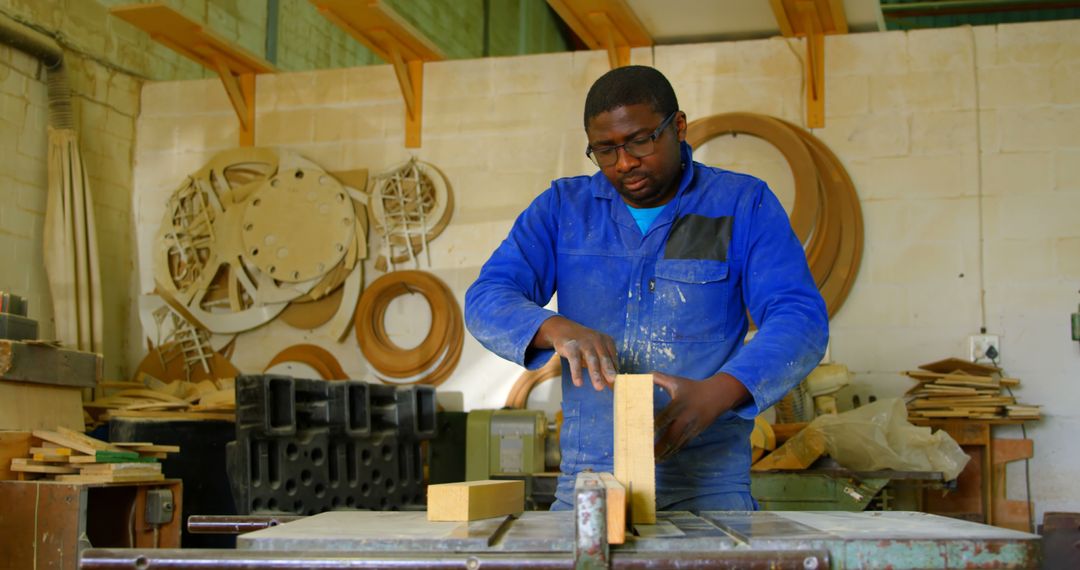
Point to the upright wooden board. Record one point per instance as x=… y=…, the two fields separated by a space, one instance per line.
x=12 y=444
x=26 y=407
x=473 y=500
x=635 y=464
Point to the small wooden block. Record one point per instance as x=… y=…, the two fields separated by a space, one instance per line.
x=616 y=508
x=474 y=500
x=635 y=464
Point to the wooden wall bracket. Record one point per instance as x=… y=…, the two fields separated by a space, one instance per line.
x=395 y=41
x=813 y=20
x=235 y=66
x=610 y=25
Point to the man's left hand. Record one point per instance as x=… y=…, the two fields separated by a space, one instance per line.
x=694 y=406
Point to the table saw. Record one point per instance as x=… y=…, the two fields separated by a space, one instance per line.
x=578 y=539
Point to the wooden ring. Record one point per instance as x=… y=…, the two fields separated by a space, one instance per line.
x=826 y=216
x=519 y=394
x=440 y=350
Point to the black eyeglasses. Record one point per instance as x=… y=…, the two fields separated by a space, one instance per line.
x=606 y=156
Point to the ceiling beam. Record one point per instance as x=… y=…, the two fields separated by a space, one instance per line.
x=610 y=25
x=961 y=7
x=235 y=66
x=397 y=42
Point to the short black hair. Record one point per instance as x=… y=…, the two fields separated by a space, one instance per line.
x=630 y=85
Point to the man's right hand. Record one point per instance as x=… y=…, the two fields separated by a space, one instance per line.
x=579 y=344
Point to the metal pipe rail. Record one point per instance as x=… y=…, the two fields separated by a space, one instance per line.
x=224 y=559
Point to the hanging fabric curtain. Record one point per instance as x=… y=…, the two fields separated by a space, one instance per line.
x=71 y=256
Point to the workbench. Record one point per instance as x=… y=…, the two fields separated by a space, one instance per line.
x=578 y=539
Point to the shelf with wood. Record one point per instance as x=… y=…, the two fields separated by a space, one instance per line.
x=235 y=66
x=394 y=40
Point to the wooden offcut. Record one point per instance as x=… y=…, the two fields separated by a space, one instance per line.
x=474 y=500
x=799 y=452
x=615 y=495
x=635 y=464
x=27 y=406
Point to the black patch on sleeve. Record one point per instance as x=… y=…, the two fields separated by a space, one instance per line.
x=699 y=237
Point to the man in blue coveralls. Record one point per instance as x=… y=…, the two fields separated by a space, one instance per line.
x=656 y=260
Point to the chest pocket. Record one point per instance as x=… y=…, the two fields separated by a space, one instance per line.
x=690 y=300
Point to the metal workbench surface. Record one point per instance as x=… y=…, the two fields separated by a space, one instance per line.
x=894 y=540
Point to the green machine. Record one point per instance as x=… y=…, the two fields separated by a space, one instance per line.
x=504 y=442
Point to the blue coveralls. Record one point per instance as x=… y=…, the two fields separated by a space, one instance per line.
x=675 y=300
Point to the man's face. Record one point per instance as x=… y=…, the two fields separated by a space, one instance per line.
x=648 y=181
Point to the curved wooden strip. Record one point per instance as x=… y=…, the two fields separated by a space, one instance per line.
x=437 y=355
x=314 y=356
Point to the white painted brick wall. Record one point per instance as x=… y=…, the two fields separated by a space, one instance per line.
x=915 y=122
x=22 y=185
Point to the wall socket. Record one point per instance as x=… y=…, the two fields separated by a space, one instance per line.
x=978 y=344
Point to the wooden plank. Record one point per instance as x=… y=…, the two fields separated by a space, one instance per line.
x=635 y=464
x=950 y=365
x=50 y=450
x=26 y=407
x=75 y=440
x=158 y=449
x=42 y=363
x=185 y=416
x=110 y=478
x=51 y=458
x=24 y=465
x=474 y=500
x=111 y=457
x=12 y=444
x=92 y=468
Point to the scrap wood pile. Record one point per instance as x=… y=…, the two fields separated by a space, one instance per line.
x=72 y=457
x=955 y=388
x=179 y=399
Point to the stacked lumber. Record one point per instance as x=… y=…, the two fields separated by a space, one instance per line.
x=150 y=397
x=957 y=389
x=72 y=457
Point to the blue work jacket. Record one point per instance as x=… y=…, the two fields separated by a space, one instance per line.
x=675 y=300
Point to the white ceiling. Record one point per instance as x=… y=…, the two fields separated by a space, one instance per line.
x=685 y=21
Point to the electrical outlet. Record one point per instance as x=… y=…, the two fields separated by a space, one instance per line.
x=978 y=344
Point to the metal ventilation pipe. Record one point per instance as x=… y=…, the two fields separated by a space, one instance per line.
x=45 y=49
